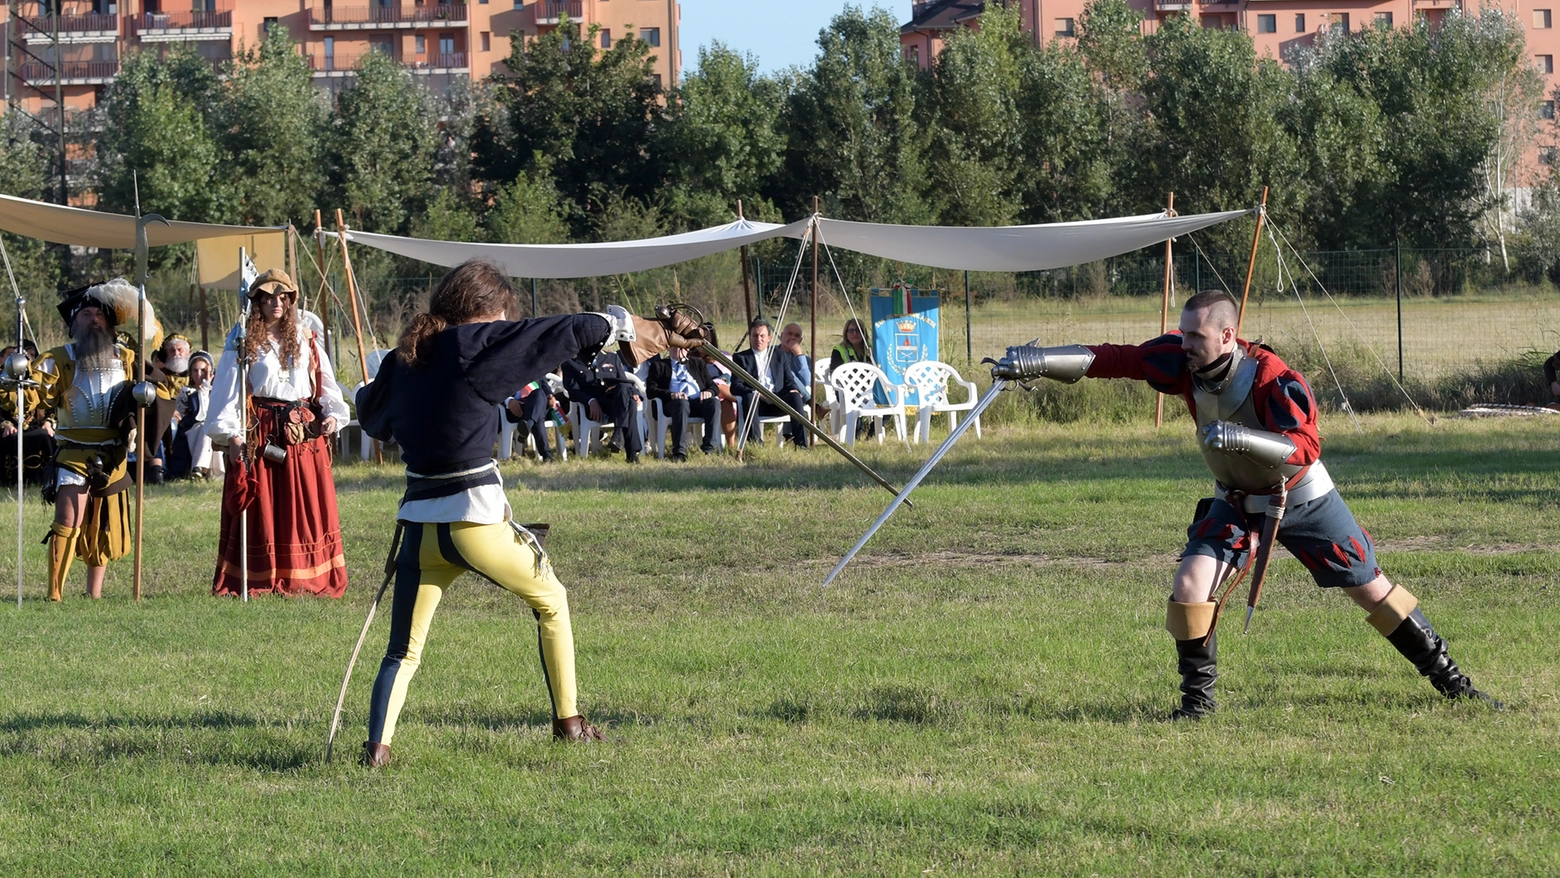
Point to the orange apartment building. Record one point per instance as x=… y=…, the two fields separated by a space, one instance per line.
x=71 y=49
x=1276 y=27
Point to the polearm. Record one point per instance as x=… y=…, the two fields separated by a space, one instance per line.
x=1251 y=265
x=719 y=356
x=341 y=700
x=144 y=393
x=903 y=497
x=247 y=272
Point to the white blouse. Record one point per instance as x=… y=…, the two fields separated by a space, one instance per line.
x=269 y=378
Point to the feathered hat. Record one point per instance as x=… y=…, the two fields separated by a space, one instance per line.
x=116 y=299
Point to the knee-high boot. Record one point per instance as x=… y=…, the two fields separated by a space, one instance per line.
x=1399 y=619
x=1190 y=625
x=62 y=550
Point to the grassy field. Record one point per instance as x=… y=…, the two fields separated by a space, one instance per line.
x=983 y=691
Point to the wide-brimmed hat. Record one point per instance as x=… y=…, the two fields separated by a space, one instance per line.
x=117 y=300
x=273 y=281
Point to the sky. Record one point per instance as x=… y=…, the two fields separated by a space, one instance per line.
x=779 y=33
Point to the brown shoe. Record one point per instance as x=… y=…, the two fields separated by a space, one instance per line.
x=575 y=728
x=375 y=755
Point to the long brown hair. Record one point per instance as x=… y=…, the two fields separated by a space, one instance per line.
x=845 y=337
x=257 y=336
x=475 y=288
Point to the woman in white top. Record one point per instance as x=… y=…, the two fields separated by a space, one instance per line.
x=279 y=467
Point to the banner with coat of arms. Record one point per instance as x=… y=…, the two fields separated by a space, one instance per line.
x=905 y=323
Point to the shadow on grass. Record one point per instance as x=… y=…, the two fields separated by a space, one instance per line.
x=523 y=720
x=74 y=739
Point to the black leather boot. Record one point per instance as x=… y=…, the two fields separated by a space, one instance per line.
x=1419 y=643
x=1197 y=667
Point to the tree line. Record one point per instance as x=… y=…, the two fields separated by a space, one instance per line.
x=1407 y=134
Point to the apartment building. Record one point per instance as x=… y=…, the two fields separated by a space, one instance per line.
x=68 y=51
x=1276 y=27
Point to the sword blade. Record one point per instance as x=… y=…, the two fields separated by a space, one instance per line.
x=720 y=357
x=903 y=496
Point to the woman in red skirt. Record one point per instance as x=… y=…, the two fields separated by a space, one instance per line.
x=278 y=473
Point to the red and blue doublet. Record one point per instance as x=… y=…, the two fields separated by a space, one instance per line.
x=1320 y=530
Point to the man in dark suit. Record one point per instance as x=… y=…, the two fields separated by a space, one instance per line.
x=775 y=367
x=683 y=391
x=609 y=391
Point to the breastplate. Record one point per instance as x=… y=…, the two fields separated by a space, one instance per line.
x=1234 y=402
x=87 y=401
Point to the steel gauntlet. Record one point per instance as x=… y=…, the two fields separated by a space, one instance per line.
x=1260 y=446
x=1066 y=364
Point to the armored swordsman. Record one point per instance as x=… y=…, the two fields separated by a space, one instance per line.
x=1256 y=422
x=87 y=382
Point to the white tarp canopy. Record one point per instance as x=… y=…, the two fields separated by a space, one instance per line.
x=997 y=248
x=1013 y=248
x=585 y=260
x=59 y=224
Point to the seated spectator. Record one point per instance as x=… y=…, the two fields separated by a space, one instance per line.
x=720 y=382
x=801 y=364
x=37 y=433
x=684 y=388
x=852 y=347
x=169 y=373
x=192 y=455
x=609 y=391
x=531 y=408
x=1552 y=379
x=774 y=367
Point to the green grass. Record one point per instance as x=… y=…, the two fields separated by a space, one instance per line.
x=982 y=692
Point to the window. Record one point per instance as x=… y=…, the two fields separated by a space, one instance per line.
x=606 y=38
x=1546 y=63
x=446 y=44
x=1383 y=19
x=1064 y=28
x=1340 y=22
x=270 y=22
x=487 y=42
x=1546 y=156
x=657 y=78
x=1267 y=24
x=1299 y=22
x=422 y=44
x=330 y=47
x=1541 y=19
x=1546 y=109
x=651 y=35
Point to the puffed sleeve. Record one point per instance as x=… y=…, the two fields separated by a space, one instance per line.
x=224 y=421
x=332 y=403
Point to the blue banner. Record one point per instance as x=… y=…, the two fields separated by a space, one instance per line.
x=900 y=338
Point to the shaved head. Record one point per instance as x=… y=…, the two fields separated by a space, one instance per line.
x=1220 y=308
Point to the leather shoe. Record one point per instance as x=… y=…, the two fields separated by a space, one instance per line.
x=375 y=755
x=575 y=728
x=678 y=457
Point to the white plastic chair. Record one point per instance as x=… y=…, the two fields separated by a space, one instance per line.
x=931 y=379
x=506 y=436
x=373 y=359
x=854 y=398
x=662 y=422
x=588 y=433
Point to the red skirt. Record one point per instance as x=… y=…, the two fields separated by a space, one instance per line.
x=294 y=531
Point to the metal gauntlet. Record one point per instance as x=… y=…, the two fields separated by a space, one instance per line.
x=1066 y=364
x=1259 y=446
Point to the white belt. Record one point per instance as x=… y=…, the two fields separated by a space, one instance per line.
x=1316 y=483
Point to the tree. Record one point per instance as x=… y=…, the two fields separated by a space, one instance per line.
x=382 y=146
x=851 y=129
x=24 y=173
x=589 y=114
x=1212 y=131
x=272 y=127
x=156 y=139
x=528 y=210
x=720 y=141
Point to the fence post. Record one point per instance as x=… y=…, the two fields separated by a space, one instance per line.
x=1397 y=269
x=969 y=344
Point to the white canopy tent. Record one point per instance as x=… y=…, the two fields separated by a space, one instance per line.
x=997 y=248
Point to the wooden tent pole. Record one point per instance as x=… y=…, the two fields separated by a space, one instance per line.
x=292 y=256
x=812 y=357
x=1164 y=314
x=357 y=318
x=1251 y=266
x=747 y=293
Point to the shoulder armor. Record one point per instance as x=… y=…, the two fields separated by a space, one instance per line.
x=46 y=366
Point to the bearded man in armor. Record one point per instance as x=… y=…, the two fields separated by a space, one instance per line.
x=1256 y=425
x=87 y=382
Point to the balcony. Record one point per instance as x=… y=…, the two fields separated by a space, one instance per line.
x=1172 y=5
x=70 y=73
x=325 y=17
x=339 y=66
x=72 y=28
x=552 y=11
x=166 y=27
